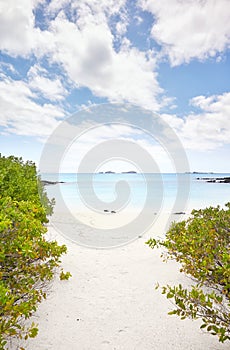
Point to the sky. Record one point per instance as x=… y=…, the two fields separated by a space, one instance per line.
x=170 y=57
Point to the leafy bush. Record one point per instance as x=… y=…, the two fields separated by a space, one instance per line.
x=27 y=260
x=202 y=245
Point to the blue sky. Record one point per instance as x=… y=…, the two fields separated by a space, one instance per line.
x=169 y=56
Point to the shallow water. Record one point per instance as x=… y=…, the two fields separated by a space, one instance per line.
x=138 y=191
x=110 y=210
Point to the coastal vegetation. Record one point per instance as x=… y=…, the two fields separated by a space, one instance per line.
x=202 y=245
x=28 y=261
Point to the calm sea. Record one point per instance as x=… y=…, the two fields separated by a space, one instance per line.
x=119 y=191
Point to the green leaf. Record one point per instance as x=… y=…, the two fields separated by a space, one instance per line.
x=28 y=260
x=201 y=245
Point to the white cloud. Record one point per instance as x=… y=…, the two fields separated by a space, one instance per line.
x=208 y=129
x=84 y=12
x=189 y=29
x=39 y=81
x=90 y=60
x=94 y=137
x=7 y=67
x=18 y=34
x=121 y=27
x=84 y=47
x=21 y=114
x=57 y=5
x=138 y=19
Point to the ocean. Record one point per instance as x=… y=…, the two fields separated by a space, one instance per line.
x=110 y=210
x=79 y=190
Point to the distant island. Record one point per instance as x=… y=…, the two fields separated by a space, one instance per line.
x=113 y=172
x=198 y=172
x=129 y=172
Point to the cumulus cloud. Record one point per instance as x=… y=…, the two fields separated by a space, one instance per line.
x=80 y=39
x=39 y=80
x=21 y=114
x=86 y=8
x=189 y=29
x=18 y=34
x=89 y=58
x=84 y=40
x=207 y=129
x=82 y=145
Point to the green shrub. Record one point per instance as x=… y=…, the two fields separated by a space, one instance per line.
x=202 y=245
x=27 y=260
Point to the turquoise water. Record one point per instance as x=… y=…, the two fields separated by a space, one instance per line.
x=85 y=204
x=154 y=191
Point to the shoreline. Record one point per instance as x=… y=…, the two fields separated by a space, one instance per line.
x=110 y=302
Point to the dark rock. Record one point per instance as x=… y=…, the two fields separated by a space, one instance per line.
x=219 y=180
x=226 y=180
x=106 y=210
x=113 y=211
x=47 y=182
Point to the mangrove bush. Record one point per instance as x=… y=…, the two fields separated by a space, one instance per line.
x=27 y=260
x=202 y=245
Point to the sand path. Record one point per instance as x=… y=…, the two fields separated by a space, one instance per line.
x=110 y=304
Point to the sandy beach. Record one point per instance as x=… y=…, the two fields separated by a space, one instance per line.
x=111 y=303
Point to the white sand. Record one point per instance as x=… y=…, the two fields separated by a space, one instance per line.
x=110 y=303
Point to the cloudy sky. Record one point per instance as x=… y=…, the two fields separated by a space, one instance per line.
x=169 y=56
